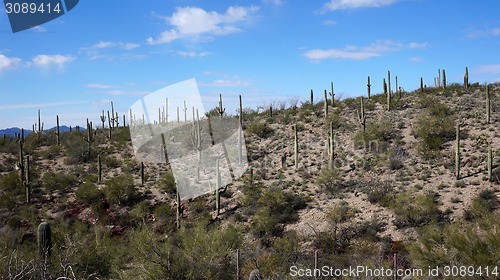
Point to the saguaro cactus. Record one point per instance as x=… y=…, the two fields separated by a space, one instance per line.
x=421 y=84
x=217 y=188
x=221 y=109
x=178 y=209
x=466 y=78
x=488 y=105
x=20 y=163
x=332 y=94
x=368 y=86
x=99 y=169
x=142 y=173
x=296 y=146
x=89 y=137
x=361 y=115
x=325 y=105
x=196 y=134
x=103 y=118
x=240 y=132
x=457 y=153
x=44 y=239
x=331 y=146
x=490 y=163
x=27 y=184
x=444 y=79
x=388 y=90
x=57 y=132
x=312 y=97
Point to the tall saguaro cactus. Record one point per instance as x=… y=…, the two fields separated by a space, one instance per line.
x=490 y=163
x=388 y=90
x=196 y=133
x=325 y=105
x=332 y=94
x=466 y=78
x=217 y=188
x=331 y=146
x=27 y=184
x=361 y=115
x=312 y=97
x=44 y=239
x=90 y=136
x=421 y=84
x=240 y=132
x=457 y=153
x=488 y=105
x=296 y=146
x=368 y=86
x=57 y=132
x=444 y=79
x=221 y=109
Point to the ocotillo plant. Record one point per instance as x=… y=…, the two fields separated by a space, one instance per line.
x=27 y=184
x=57 y=132
x=361 y=115
x=90 y=136
x=44 y=239
x=421 y=84
x=332 y=94
x=444 y=79
x=368 y=86
x=490 y=163
x=325 y=106
x=457 y=153
x=296 y=146
x=103 y=118
x=331 y=146
x=221 y=109
x=99 y=169
x=466 y=78
x=312 y=97
x=488 y=105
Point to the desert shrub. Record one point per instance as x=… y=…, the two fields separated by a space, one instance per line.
x=9 y=146
x=462 y=244
x=58 y=181
x=167 y=183
x=330 y=181
x=76 y=148
x=52 y=152
x=484 y=203
x=121 y=190
x=111 y=162
x=10 y=183
x=434 y=127
x=415 y=210
x=88 y=193
x=260 y=129
x=341 y=212
x=376 y=136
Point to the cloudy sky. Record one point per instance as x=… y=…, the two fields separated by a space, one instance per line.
x=266 y=50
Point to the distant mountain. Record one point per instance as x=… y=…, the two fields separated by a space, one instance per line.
x=15 y=130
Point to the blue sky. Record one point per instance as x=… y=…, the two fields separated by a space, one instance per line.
x=266 y=50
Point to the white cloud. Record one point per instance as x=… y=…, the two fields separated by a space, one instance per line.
x=329 y=22
x=415 y=59
x=101 y=86
x=127 y=92
x=196 y=23
x=273 y=2
x=225 y=83
x=39 y=29
x=192 y=54
x=490 y=32
x=334 y=5
x=47 y=61
x=8 y=63
x=352 y=52
x=37 y=105
x=111 y=44
x=491 y=69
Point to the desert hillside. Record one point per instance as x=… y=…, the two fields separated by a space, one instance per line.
x=387 y=190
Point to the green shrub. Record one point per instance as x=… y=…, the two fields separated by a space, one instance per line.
x=58 y=181
x=260 y=129
x=167 y=182
x=415 y=210
x=434 y=127
x=121 y=190
x=330 y=181
x=88 y=193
